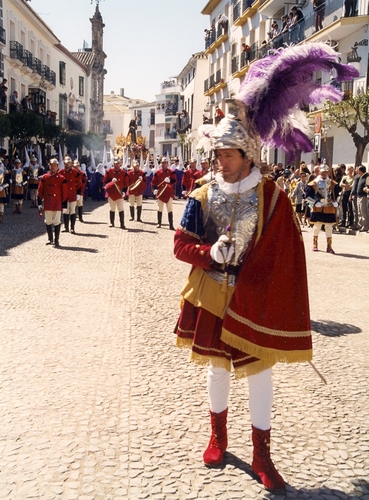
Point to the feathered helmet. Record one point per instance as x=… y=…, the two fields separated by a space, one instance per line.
x=268 y=108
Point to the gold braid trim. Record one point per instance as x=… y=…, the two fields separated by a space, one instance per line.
x=264 y=329
x=260 y=195
x=266 y=354
x=210 y=360
x=201 y=195
x=184 y=343
x=252 y=369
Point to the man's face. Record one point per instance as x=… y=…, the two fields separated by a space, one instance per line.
x=193 y=165
x=116 y=166
x=205 y=166
x=280 y=166
x=164 y=165
x=232 y=164
x=54 y=167
x=68 y=165
x=324 y=174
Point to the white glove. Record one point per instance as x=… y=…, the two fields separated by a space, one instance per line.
x=140 y=178
x=114 y=180
x=184 y=193
x=10 y=181
x=335 y=204
x=40 y=207
x=167 y=180
x=155 y=192
x=1 y=188
x=64 y=210
x=318 y=204
x=78 y=197
x=222 y=252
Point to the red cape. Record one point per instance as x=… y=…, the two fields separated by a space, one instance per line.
x=268 y=316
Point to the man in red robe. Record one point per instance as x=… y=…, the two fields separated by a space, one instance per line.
x=235 y=231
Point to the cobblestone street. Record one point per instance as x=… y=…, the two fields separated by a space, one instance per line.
x=97 y=403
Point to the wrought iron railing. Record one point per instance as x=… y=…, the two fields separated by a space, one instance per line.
x=27 y=59
x=16 y=50
x=37 y=66
x=2 y=35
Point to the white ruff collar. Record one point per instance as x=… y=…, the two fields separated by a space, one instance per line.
x=249 y=182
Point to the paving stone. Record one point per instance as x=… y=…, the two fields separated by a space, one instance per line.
x=97 y=403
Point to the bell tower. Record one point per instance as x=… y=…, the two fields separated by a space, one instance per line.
x=97 y=72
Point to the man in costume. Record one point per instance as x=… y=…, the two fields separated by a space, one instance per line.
x=80 y=198
x=34 y=171
x=53 y=193
x=18 y=181
x=163 y=184
x=4 y=185
x=137 y=186
x=116 y=183
x=74 y=183
x=235 y=231
x=320 y=194
x=189 y=178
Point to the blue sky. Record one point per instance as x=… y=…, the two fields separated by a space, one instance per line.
x=146 y=41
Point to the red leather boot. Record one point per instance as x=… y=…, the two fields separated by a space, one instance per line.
x=262 y=464
x=218 y=443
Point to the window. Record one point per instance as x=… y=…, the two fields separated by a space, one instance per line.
x=81 y=86
x=63 y=110
x=152 y=139
x=152 y=117
x=62 y=73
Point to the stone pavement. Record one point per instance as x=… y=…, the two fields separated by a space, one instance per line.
x=96 y=403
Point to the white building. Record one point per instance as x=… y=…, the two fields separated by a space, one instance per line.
x=250 y=22
x=196 y=104
x=36 y=64
x=117 y=115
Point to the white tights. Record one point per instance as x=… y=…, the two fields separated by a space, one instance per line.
x=260 y=394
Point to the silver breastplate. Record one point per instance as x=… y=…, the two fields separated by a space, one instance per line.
x=324 y=190
x=218 y=216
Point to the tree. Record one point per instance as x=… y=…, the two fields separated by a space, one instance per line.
x=51 y=133
x=25 y=126
x=5 y=128
x=350 y=114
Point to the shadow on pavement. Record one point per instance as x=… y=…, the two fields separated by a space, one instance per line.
x=17 y=229
x=333 y=329
x=92 y=235
x=360 y=486
x=353 y=256
x=140 y=231
x=77 y=249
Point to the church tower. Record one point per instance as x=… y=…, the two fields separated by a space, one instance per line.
x=97 y=72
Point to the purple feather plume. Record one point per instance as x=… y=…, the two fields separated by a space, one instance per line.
x=278 y=86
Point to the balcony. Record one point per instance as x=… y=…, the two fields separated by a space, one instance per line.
x=335 y=25
x=49 y=75
x=246 y=10
x=28 y=59
x=214 y=83
x=37 y=66
x=215 y=37
x=240 y=64
x=16 y=51
x=76 y=121
x=2 y=36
